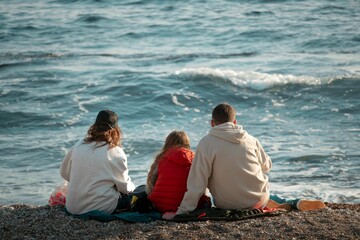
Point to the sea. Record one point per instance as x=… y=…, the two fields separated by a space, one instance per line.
x=291 y=68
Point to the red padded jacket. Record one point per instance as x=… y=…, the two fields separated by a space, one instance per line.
x=170 y=186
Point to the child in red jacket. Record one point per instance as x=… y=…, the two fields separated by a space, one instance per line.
x=166 y=181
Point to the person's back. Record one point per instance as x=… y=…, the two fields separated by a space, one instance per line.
x=237 y=180
x=96 y=169
x=231 y=163
x=94 y=172
x=167 y=178
x=170 y=186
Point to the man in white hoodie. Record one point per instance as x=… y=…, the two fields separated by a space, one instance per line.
x=231 y=163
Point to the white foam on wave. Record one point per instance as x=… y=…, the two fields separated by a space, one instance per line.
x=75 y=119
x=185 y=108
x=322 y=191
x=254 y=80
x=4 y=92
x=81 y=105
x=176 y=102
x=12 y=81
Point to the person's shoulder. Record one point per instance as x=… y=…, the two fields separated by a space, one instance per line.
x=119 y=151
x=179 y=155
x=252 y=139
x=116 y=154
x=178 y=150
x=206 y=141
x=248 y=135
x=78 y=144
x=208 y=137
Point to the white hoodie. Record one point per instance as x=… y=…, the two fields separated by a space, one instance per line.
x=233 y=165
x=96 y=177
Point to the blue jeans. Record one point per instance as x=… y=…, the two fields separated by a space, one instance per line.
x=123 y=202
x=292 y=202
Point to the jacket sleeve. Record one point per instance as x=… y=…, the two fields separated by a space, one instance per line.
x=65 y=167
x=264 y=159
x=120 y=174
x=197 y=181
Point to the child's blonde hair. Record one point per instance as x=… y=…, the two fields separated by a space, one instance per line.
x=174 y=139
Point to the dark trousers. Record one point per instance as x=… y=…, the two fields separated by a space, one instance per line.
x=124 y=202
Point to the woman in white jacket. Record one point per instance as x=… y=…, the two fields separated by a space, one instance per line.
x=96 y=169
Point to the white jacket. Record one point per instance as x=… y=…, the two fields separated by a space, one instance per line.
x=233 y=165
x=96 y=177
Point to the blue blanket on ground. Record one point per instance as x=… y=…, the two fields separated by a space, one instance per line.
x=126 y=216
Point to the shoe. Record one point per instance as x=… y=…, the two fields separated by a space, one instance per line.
x=306 y=205
x=273 y=204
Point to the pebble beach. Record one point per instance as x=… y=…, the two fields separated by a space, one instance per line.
x=337 y=221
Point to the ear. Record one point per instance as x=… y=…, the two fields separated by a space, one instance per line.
x=234 y=121
x=212 y=123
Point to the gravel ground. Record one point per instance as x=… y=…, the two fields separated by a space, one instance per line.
x=338 y=221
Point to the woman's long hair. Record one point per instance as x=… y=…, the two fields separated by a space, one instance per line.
x=174 y=139
x=97 y=134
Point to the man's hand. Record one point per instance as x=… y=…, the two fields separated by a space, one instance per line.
x=169 y=215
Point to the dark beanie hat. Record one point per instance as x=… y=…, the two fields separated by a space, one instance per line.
x=106 y=120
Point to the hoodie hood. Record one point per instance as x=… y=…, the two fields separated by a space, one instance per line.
x=229 y=132
x=180 y=156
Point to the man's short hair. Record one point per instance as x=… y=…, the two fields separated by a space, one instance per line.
x=223 y=113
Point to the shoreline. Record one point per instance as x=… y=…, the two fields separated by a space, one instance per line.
x=337 y=221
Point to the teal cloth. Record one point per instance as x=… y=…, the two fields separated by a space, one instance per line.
x=126 y=216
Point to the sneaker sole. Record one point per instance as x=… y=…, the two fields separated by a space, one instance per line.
x=306 y=205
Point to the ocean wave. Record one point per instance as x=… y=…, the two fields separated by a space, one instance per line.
x=206 y=56
x=258 y=13
x=330 y=9
x=20 y=119
x=174 y=57
x=15 y=64
x=17 y=59
x=24 y=28
x=257 y=80
x=90 y=18
x=76 y=1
